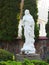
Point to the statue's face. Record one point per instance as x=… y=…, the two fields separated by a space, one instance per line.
x=27 y=12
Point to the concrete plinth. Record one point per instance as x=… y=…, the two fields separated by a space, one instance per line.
x=21 y=57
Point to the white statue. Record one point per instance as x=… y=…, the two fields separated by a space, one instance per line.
x=28 y=23
x=42 y=15
x=42 y=31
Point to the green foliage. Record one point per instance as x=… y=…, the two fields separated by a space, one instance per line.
x=5 y=55
x=2 y=63
x=47 y=26
x=32 y=6
x=27 y=62
x=9 y=18
x=23 y=37
x=38 y=62
x=36 y=31
x=10 y=63
x=19 y=63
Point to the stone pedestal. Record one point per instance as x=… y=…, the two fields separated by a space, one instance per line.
x=13 y=46
x=21 y=57
x=42 y=46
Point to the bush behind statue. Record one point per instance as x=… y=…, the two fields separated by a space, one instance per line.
x=5 y=55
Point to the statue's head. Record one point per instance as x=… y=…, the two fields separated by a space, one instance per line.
x=27 y=12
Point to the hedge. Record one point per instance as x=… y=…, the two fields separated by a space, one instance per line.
x=5 y=55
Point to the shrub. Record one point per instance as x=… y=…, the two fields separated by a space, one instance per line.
x=10 y=63
x=39 y=62
x=5 y=55
x=27 y=62
x=19 y=63
x=3 y=63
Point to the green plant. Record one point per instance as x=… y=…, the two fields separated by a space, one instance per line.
x=27 y=62
x=10 y=63
x=10 y=9
x=5 y=55
x=3 y=63
x=19 y=63
x=36 y=31
x=38 y=62
x=47 y=26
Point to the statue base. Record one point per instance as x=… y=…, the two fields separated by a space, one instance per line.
x=28 y=51
x=21 y=57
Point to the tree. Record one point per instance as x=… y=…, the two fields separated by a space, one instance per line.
x=32 y=6
x=47 y=26
x=9 y=13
